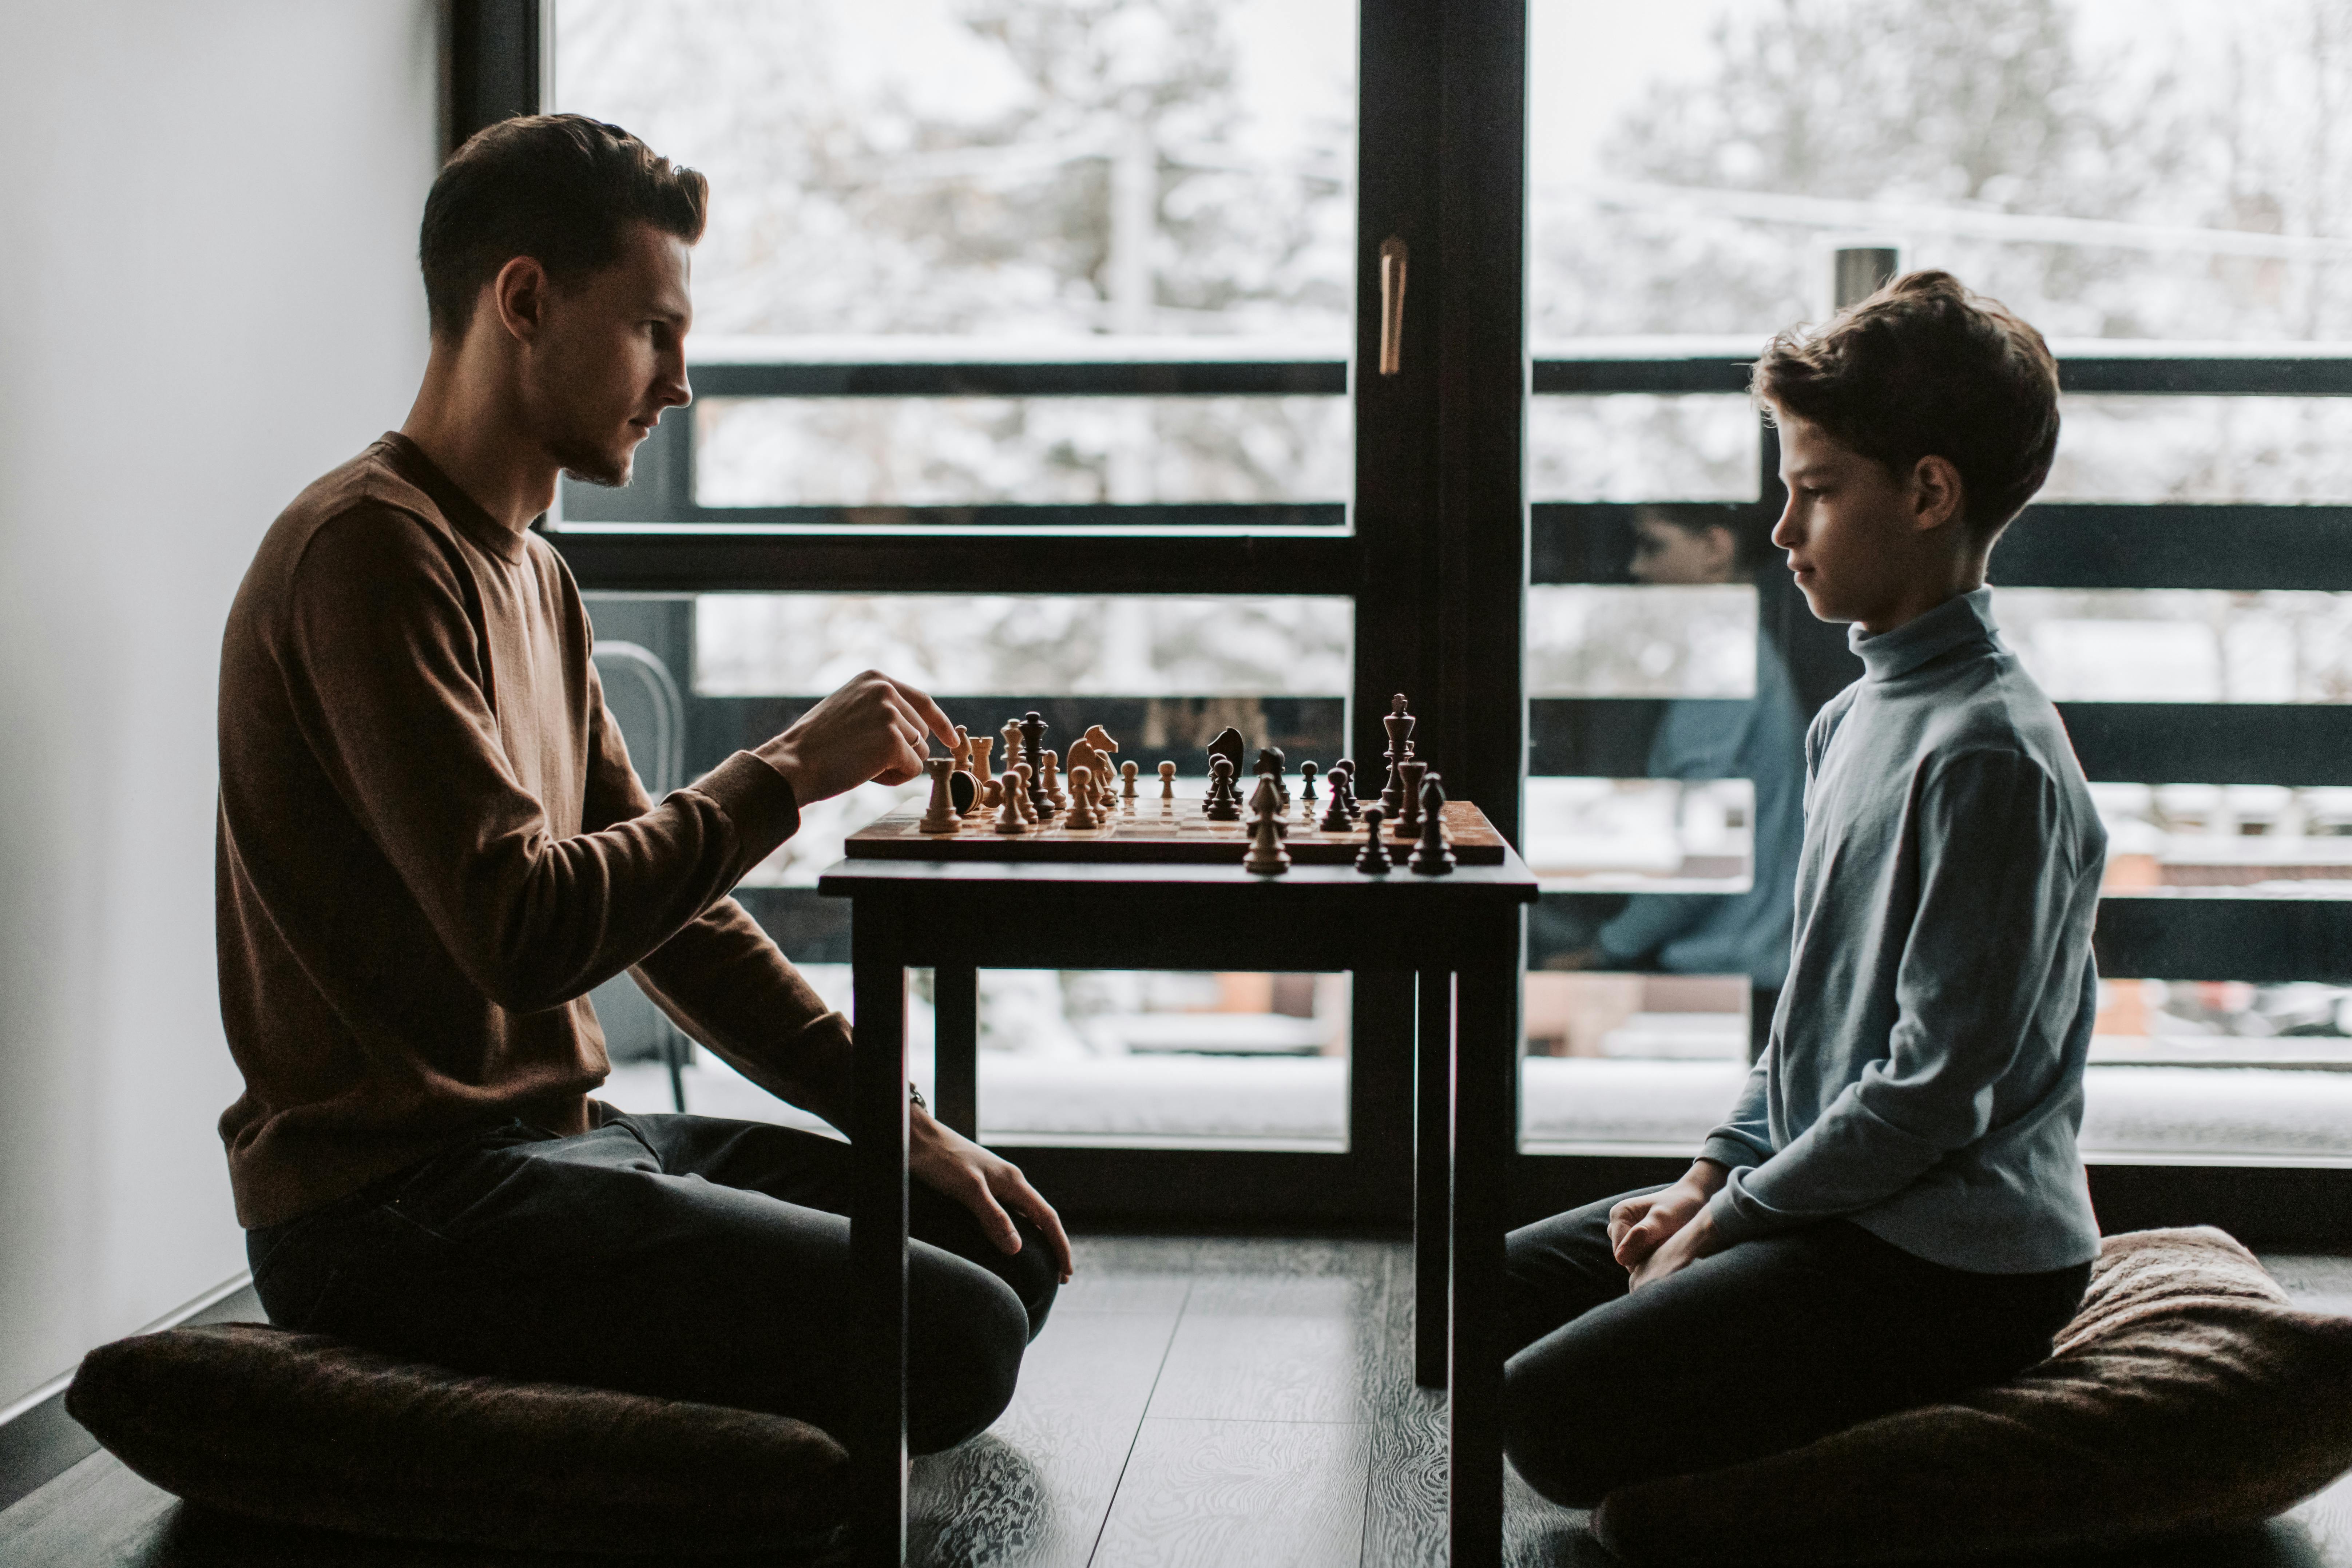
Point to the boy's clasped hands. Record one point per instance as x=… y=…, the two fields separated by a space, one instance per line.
x=1657 y=1234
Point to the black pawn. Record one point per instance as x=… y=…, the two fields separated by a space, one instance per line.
x=1307 y=780
x=1342 y=779
x=1372 y=859
x=1224 y=800
x=1431 y=856
x=1335 y=819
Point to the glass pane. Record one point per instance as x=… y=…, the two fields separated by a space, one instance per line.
x=2259 y=838
x=999 y=168
x=1200 y=646
x=1611 y=640
x=2180 y=644
x=936 y=451
x=2203 y=449
x=1691 y=160
x=1698 y=835
x=1633 y=447
x=1202 y=1060
x=1137 y=1059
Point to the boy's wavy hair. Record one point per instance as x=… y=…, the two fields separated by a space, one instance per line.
x=1924 y=368
x=560 y=188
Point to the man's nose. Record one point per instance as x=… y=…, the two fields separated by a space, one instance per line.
x=677 y=391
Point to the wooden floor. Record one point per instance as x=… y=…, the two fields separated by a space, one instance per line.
x=1220 y=1403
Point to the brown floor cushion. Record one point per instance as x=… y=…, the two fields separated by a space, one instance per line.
x=298 y=1429
x=2186 y=1397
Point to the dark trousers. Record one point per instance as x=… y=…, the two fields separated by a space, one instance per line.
x=1763 y=1348
x=679 y=1256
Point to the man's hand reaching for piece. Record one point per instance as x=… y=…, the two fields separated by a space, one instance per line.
x=874 y=728
x=948 y=1162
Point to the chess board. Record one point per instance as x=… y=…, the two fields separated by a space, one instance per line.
x=1166 y=832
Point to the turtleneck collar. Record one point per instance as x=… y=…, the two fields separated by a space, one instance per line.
x=1950 y=624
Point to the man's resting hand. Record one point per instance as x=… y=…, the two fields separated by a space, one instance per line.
x=874 y=728
x=951 y=1164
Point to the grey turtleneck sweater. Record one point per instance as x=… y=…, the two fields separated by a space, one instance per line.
x=1925 y=1074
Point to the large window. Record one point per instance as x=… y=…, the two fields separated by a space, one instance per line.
x=1036 y=358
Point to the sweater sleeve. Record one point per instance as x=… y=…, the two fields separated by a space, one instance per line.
x=721 y=978
x=1745 y=1137
x=391 y=681
x=1982 y=942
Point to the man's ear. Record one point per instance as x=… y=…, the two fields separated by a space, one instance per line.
x=519 y=295
x=1937 y=496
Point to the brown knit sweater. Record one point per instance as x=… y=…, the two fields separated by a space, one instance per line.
x=431 y=846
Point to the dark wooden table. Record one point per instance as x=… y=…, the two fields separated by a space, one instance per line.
x=1461 y=935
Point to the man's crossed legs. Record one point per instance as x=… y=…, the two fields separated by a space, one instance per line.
x=679 y=1256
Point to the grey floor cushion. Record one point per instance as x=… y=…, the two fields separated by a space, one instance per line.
x=298 y=1429
x=2186 y=1397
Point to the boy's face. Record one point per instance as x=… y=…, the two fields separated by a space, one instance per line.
x=1863 y=541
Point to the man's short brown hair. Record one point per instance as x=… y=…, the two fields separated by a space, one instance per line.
x=1924 y=368
x=560 y=188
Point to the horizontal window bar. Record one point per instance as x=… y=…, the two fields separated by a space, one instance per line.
x=689 y=558
x=1198 y=378
x=2281 y=375
x=2062 y=545
x=1090 y=515
x=2302 y=745
x=2251 y=375
x=2272 y=941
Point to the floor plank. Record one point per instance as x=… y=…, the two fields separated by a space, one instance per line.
x=1034 y=1488
x=1216 y=1494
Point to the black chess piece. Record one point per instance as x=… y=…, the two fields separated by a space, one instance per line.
x=1342 y=780
x=1335 y=819
x=1372 y=859
x=1306 y=782
x=1271 y=762
x=962 y=790
x=1032 y=752
x=1408 y=816
x=1224 y=800
x=1399 y=724
x=1229 y=745
x=1432 y=857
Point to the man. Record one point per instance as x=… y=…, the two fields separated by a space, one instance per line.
x=1895 y=1210
x=432 y=846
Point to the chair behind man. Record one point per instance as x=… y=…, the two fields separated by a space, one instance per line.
x=644 y=700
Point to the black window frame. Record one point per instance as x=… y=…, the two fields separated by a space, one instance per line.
x=1438 y=560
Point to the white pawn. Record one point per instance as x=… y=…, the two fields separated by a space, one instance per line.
x=1167 y=782
x=1012 y=813
x=1017 y=783
x=1127 y=772
x=1082 y=799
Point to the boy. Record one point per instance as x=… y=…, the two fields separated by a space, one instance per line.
x=1895 y=1210
x=432 y=846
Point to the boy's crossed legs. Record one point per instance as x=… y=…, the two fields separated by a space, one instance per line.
x=1758 y=1349
x=686 y=1257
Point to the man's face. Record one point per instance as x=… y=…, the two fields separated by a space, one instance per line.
x=610 y=355
x=1848 y=529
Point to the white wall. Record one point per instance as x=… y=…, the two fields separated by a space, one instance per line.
x=207 y=296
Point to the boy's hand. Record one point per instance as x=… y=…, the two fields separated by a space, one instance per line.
x=1640 y=1227
x=873 y=728
x=1694 y=1241
x=983 y=1183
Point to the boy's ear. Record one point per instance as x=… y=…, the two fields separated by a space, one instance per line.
x=1937 y=496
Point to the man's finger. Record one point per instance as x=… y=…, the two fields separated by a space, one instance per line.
x=993 y=1218
x=1041 y=1215
x=933 y=717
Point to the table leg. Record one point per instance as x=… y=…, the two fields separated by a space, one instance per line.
x=878 y=1247
x=1486 y=1037
x=955 y=1007
x=1432 y=1140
